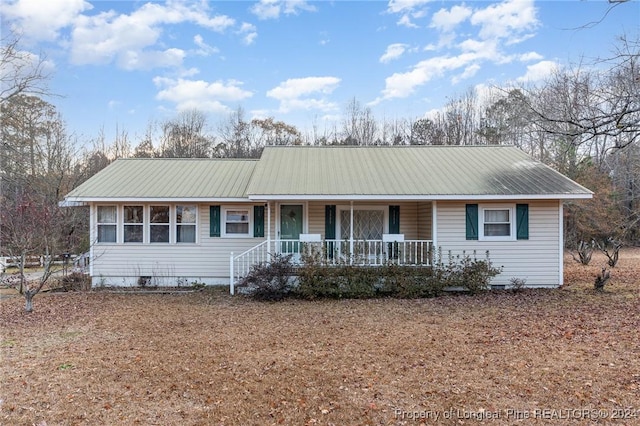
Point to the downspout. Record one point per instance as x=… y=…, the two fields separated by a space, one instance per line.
x=560 y=243
x=434 y=232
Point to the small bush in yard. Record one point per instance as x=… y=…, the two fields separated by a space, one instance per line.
x=75 y=281
x=270 y=281
x=466 y=272
x=319 y=280
x=337 y=282
x=410 y=282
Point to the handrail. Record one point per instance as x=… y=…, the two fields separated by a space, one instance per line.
x=334 y=252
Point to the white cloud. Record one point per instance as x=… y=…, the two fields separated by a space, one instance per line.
x=200 y=94
x=402 y=85
x=530 y=56
x=297 y=87
x=248 y=32
x=129 y=39
x=506 y=20
x=538 y=71
x=404 y=6
x=447 y=20
x=468 y=72
x=394 y=51
x=147 y=60
x=41 y=20
x=405 y=21
x=498 y=25
x=203 y=48
x=408 y=9
x=305 y=93
x=271 y=9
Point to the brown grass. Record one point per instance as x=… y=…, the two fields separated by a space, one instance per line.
x=206 y=358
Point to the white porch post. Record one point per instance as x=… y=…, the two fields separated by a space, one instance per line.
x=268 y=227
x=434 y=231
x=93 y=237
x=351 y=234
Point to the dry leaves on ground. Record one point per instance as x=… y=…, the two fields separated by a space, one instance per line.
x=207 y=358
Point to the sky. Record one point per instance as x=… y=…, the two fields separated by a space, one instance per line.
x=124 y=64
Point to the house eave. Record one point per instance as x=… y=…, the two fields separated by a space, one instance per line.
x=79 y=201
x=426 y=197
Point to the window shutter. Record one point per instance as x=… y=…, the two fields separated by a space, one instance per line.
x=258 y=221
x=522 y=221
x=214 y=221
x=330 y=222
x=394 y=219
x=472 y=221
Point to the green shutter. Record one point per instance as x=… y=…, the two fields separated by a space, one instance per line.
x=472 y=221
x=394 y=219
x=522 y=221
x=214 y=221
x=330 y=222
x=258 y=221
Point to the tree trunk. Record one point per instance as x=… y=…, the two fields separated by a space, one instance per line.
x=28 y=301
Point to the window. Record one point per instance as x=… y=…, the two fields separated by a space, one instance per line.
x=367 y=224
x=497 y=223
x=236 y=222
x=107 y=224
x=133 y=224
x=159 y=224
x=186 y=224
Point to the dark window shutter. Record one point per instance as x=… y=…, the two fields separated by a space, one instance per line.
x=522 y=221
x=394 y=219
x=330 y=222
x=258 y=221
x=214 y=221
x=472 y=221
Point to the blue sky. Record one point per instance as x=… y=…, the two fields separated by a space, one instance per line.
x=125 y=63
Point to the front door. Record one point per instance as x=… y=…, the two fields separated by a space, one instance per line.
x=290 y=227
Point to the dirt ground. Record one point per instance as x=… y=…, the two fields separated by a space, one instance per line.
x=565 y=356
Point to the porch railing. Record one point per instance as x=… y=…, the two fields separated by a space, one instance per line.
x=334 y=252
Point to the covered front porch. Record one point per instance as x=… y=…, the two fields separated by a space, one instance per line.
x=358 y=233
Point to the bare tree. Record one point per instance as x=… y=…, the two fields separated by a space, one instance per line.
x=276 y=132
x=185 y=137
x=238 y=139
x=30 y=227
x=359 y=125
x=21 y=72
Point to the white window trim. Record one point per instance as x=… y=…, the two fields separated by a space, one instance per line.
x=173 y=218
x=117 y=224
x=223 y=222
x=339 y=209
x=148 y=223
x=512 y=222
x=145 y=222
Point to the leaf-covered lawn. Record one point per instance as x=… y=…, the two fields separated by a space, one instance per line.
x=534 y=357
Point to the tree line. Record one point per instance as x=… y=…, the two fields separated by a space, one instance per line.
x=582 y=120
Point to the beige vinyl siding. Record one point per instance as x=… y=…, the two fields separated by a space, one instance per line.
x=207 y=260
x=425 y=220
x=537 y=260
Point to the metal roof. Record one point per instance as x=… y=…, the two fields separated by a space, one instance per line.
x=406 y=172
x=335 y=172
x=167 y=178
